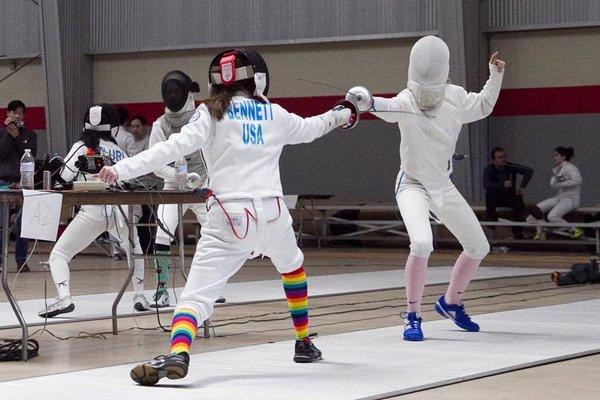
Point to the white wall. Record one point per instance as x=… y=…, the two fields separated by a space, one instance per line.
x=558 y=58
x=26 y=84
x=380 y=65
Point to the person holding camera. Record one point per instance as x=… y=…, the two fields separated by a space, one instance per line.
x=14 y=139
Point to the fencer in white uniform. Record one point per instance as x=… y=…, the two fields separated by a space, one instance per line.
x=430 y=114
x=91 y=220
x=177 y=91
x=566 y=180
x=241 y=135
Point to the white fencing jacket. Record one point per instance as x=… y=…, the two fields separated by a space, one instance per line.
x=71 y=172
x=106 y=148
x=241 y=151
x=161 y=131
x=567 y=179
x=428 y=138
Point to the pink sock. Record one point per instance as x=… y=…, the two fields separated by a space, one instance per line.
x=462 y=273
x=414 y=275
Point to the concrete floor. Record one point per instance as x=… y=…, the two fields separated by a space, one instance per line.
x=92 y=346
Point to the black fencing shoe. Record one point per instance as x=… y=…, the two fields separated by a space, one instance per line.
x=173 y=366
x=306 y=351
x=60 y=306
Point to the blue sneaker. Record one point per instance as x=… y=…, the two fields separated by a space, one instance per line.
x=412 y=327
x=457 y=314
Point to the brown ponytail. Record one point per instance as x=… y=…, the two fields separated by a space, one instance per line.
x=220 y=96
x=218 y=102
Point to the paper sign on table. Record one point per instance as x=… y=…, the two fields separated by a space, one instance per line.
x=41 y=215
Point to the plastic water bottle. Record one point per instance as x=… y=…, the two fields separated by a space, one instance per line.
x=27 y=170
x=181 y=174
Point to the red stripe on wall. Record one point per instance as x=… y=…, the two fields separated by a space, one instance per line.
x=548 y=101
x=35 y=117
x=149 y=110
x=512 y=102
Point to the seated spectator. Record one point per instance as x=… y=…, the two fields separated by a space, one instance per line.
x=567 y=180
x=139 y=131
x=122 y=135
x=14 y=139
x=503 y=190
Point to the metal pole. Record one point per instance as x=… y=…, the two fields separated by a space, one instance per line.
x=206 y=326
x=9 y=295
x=597 y=240
x=130 y=263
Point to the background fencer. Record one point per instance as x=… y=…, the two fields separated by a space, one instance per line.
x=241 y=135
x=177 y=92
x=91 y=220
x=567 y=181
x=430 y=114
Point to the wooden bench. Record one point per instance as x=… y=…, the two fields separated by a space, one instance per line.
x=322 y=216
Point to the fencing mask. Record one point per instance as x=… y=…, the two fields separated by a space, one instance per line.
x=177 y=88
x=100 y=122
x=101 y=118
x=234 y=65
x=428 y=71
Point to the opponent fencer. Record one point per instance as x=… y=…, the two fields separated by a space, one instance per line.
x=91 y=220
x=177 y=92
x=241 y=135
x=430 y=114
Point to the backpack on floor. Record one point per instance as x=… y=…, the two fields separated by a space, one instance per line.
x=580 y=273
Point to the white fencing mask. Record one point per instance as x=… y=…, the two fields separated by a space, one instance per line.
x=428 y=71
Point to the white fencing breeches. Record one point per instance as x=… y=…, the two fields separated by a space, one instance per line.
x=453 y=211
x=227 y=241
x=87 y=225
x=167 y=214
x=557 y=208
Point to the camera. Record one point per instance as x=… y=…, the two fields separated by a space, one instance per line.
x=16 y=124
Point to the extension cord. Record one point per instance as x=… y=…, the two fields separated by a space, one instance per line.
x=10 y=350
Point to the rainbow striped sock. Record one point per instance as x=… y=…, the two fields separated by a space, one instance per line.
x=296 y=292
x=183 y=330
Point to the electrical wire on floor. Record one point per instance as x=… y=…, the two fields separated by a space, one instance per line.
x=11 y=350
x=396 y=298
x=102 y=335
x=244 y=320
x=239 y=321
x=346 y=321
